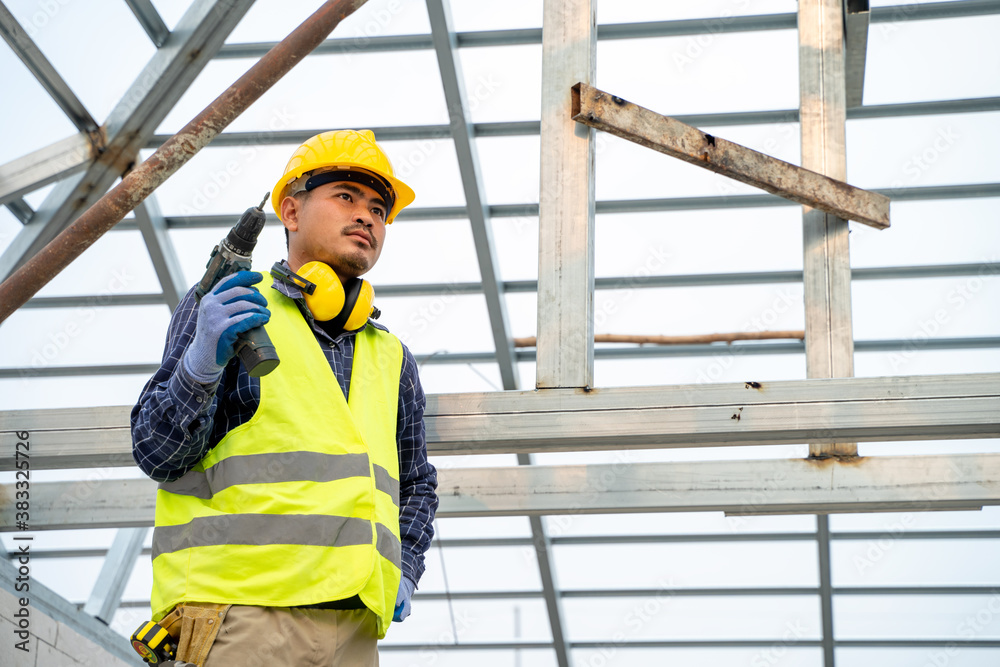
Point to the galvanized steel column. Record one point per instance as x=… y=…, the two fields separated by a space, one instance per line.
x=565 y=340
x=449 y=64
x=827 y=263
x=106 y=597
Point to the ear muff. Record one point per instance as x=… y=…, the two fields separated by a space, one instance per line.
x=351 y=305
x=327 y=300
x=361 y=309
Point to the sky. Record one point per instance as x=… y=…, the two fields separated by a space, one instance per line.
x=908 y=61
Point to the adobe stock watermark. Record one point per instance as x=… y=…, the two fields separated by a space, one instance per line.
x=637 y=618
x=379 y=20
x=883 y=544
x=432 y=311
x=696 y=45
x=560 y=524
x=794 y=633
x=957 y=299
x=787 y=132
x=758 y=500
x=407 y=164
x=783 y=301
x=652 y=264
x=900 y=14
x=49 y=347
x=45 y=12
x=548 y=188
x=655 y=259
x=921 y=161
x=968 y=628
x=430 y=652
x=761 y=500
x=218 y=180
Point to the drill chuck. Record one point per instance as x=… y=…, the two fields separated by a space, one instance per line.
x=254 y=347
x=242 y=238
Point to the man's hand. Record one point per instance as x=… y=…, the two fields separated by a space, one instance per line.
x=233 y=307
x=406 y=588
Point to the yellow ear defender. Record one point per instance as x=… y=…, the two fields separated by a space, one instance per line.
x=349 y=306
x=327 y=299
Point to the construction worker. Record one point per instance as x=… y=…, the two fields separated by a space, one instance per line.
x=293 y=509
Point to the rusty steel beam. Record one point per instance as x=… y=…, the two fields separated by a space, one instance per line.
x=598 y=109
x=168 y=158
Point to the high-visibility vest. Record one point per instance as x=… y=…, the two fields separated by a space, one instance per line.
x=299 y=505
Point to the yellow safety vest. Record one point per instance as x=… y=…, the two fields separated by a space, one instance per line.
x=300 y=505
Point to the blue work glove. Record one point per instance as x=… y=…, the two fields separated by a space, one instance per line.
x=232 y=308
x=406 y=588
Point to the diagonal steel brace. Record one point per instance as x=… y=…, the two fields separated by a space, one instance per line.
x=603 y=111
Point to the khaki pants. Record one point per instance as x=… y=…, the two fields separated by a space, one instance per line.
x=276 y=636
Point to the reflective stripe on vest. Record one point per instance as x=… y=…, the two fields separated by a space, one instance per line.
x=299 y=505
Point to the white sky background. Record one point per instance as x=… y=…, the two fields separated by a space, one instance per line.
x=908 y=61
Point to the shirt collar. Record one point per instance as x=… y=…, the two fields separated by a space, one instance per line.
x=289 y=290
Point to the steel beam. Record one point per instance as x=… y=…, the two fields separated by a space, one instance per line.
x=149 y=19
x=566 y=202
x=736 y=487
x=551 y=591
x=699 y=415
x=453 y=82
x=108 y=300
x=522 y=128
x=704 y=415
x=900 y=345
x=46 y=601
x=643 y=30
x=679 y=280
x=856 y=16
x=20 y=210
x=689 y=538
x=36 y=62
x=199 y=34
x=919 y=193
x=47 y=165
x=825 y=587
x=602 y=645
x=118 y=564
x=603 y=111
x=79 y=371
x=161 y=249
x=935 y=10
x=826 y=249
x=776 y=486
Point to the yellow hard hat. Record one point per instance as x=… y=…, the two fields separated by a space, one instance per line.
x=344 y=151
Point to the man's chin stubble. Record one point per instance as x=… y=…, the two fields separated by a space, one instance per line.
x=358 y=263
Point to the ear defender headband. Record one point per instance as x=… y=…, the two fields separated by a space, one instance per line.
x=362 y=177
x=346 y=307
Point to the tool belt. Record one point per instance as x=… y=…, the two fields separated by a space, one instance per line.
x=194 y=626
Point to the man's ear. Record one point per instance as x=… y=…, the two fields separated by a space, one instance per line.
x=290 y=213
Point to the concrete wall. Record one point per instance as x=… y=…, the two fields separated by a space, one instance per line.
x=50 y=643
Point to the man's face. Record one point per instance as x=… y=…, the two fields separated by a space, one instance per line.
x=341 y=224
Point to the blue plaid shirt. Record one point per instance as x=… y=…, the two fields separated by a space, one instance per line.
x=177 y=420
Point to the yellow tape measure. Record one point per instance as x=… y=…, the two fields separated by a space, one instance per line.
x=153 y=644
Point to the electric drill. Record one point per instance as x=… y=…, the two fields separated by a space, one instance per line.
x=253 y=347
